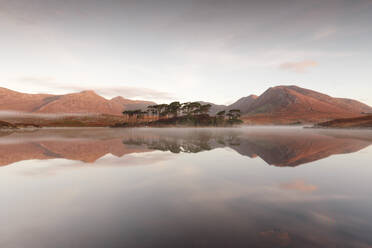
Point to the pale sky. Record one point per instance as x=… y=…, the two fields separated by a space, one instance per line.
x=164 y=50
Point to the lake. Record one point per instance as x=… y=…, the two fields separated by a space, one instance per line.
x=175 y=187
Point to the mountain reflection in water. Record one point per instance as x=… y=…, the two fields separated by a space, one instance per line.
x=94 y=188
x=276 y=146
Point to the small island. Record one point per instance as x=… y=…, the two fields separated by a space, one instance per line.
x=180 y=114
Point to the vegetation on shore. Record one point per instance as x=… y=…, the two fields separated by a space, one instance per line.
x=181 y=114
x=357 y=122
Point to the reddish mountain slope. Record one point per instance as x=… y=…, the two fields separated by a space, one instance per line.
x=243 y=103
x=292 y=103
x=16 y=101
x=215 y=108
x=277 y=105
x=82 y=102
x=130 y=104
x=357 y=122
x=296 y=99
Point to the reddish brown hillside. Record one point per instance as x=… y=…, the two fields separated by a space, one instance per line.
x=16 y=101
x=292 y=104
x=130 y=104
x=243 y=103
x=357 y=122
x=286 y=104
x=82 y=102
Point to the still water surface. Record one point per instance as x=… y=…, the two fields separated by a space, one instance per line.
x=243 y=187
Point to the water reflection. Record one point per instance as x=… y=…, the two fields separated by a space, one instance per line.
x=278 y=147
x=288 y=147
x=201 y=190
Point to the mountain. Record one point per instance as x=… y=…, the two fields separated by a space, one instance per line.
x=277 y=105
x=215 y=107
x=292 y=104
x=81 y=102
x=243 y=103
x=296 y=99
x=16 y=101
x=131 y=104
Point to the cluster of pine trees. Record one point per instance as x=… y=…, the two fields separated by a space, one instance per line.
x=188 y=111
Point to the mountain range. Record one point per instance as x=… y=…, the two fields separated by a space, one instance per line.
x=277 y=105
x=82 y=103
x=290 y=104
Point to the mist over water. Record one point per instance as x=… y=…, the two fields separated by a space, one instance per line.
x=22 y=115
x=175 y=187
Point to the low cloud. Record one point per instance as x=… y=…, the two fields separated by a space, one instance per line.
x=22 y=115
x=300 y=66
x=134 y=92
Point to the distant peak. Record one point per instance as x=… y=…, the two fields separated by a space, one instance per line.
x=281 y=88
x=248 y=97
x=85 y=94
x=285 y=87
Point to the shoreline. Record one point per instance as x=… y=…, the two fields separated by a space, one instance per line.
x=4 y=129
x=184 y=126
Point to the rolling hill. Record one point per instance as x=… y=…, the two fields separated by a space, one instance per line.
x=292 y=104
x=296 y=99
x=82 y=102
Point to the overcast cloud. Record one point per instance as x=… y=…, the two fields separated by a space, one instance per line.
x=210 y=50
